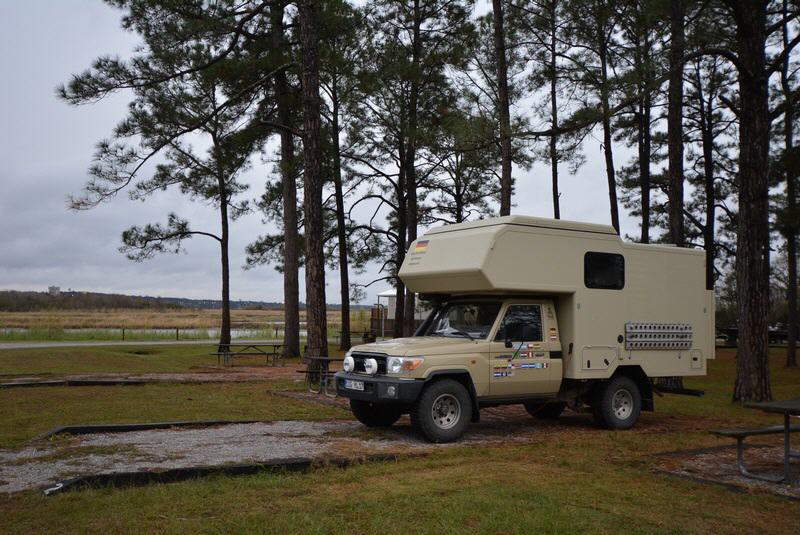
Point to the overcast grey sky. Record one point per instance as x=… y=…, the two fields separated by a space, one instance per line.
x=46 y=147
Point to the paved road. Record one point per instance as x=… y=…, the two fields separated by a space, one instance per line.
x=34 y=345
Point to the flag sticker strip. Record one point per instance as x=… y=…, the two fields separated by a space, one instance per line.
x=504 y=370
x=421 y=247
x=534 y=365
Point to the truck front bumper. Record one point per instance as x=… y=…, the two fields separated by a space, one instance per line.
x=379 y=388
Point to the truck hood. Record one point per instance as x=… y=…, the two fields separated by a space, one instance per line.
x=420 y=346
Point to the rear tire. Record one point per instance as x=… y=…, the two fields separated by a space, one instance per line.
x=374 y=414
x=545 y=411
x=443 y=411
x=617 y=404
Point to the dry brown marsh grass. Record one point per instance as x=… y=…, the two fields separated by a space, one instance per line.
x=158 y=319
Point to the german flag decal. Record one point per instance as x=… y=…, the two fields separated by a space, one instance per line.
x=421 y=247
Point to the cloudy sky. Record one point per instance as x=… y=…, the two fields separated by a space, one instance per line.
x=46 y=147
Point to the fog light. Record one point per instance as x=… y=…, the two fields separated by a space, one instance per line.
x=349 y=364
x=391 y=391
x=371 y=366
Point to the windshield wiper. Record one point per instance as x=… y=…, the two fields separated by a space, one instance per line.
x=465 y=333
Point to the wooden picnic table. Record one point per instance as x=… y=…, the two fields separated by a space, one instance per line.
x=321 y=380
x=250 y=349
x=788 y=408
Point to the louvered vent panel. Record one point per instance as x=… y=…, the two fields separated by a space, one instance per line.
x=658 y=336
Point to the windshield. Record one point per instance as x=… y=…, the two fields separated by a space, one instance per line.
x=463 y=319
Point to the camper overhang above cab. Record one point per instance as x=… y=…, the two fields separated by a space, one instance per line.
x=501 y=255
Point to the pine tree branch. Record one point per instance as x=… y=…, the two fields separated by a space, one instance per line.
x=135 y=82
x=85 y=202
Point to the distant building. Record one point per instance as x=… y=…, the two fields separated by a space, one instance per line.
x=388 y=298
x=382 y=321
x=55 y=291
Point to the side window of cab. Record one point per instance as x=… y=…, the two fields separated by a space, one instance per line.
x=522 y=323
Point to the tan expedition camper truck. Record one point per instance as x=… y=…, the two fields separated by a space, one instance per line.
x=540 y=312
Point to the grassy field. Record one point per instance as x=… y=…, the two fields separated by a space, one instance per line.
x=25 y=413
x=584 y=480
x=142 y=319
x=132 y=359
x=135 y=318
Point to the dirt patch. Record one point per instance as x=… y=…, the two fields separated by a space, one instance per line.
x=510 y=417
x=717 y=465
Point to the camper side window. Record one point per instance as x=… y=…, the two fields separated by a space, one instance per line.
x=522 y=323
x=604 y=271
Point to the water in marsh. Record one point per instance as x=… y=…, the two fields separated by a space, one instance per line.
x=18 y=333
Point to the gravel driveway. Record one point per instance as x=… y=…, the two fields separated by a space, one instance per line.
x=44 y=464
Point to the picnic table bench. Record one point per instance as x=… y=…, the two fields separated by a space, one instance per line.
x=321 y=380
x=228 y=352
x=787 y=408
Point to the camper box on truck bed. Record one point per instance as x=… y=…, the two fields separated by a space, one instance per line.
x=540 y=312
x=616 y=302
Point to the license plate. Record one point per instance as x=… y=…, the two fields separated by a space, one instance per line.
x=354 y=385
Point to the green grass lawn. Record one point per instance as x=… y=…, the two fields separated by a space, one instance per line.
x=27 y=412
x=123 y=359
x=109 y=359
x=586 y=480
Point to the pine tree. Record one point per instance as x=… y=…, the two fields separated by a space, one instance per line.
x=316 y=310
x=184 y=82
x=592 y=35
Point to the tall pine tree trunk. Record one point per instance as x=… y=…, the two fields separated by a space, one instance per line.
x=752 y=245
x=225 y=329
x=675 y=124
x=316 y=320
x=291 y=241
x=707 y=134
x=412 y=208
x=790 y=232
x=675 y=139
x=645 y=147
x=411 y=222
x=608 y=151
x=644 y=164
x=553 y=51
x=400 y=252
x=504 y=105
x=341 y=230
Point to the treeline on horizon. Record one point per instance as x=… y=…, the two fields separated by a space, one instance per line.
x=385 y=118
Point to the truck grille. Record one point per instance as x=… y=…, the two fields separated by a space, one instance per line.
x=359 y=359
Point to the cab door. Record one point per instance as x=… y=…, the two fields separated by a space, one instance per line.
x=527 y=367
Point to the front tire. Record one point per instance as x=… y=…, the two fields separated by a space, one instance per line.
x=618 y=404
x=374 y=414
x=443 y=411
x=545 y=411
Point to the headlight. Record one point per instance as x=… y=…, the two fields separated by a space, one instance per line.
x=398 y=365
x=371 y=366
x=349 y=364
